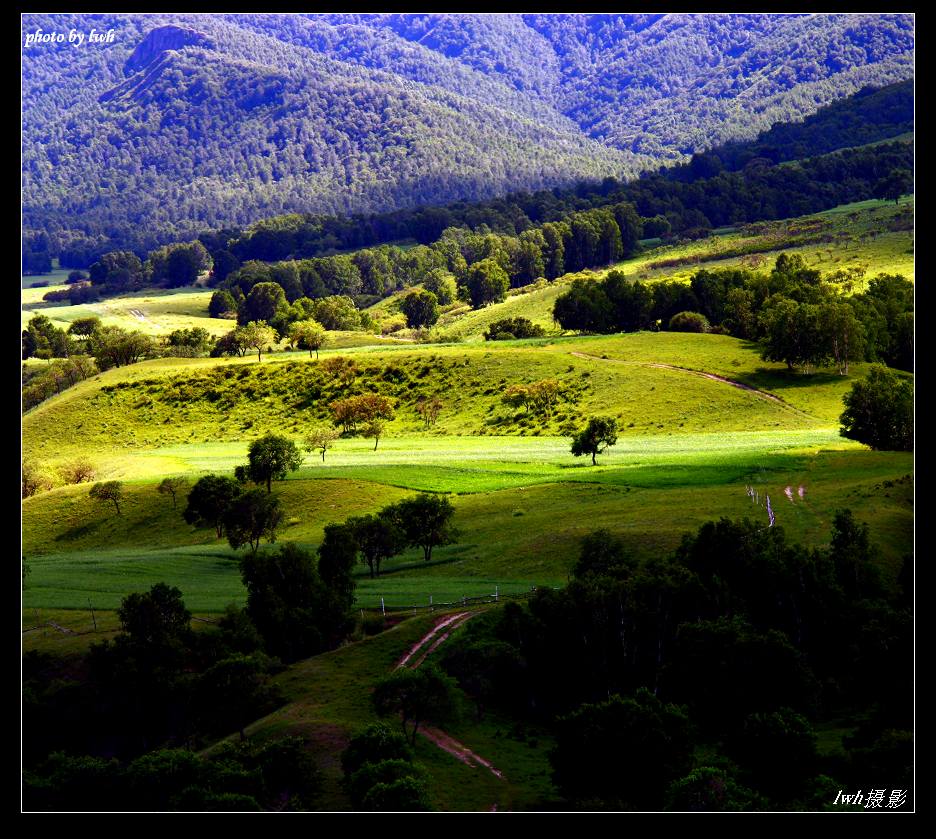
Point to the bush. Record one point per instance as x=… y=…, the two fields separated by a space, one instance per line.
x=689 y=322
x=509 y=328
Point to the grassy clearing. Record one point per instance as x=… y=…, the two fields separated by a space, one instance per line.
x=154 y=311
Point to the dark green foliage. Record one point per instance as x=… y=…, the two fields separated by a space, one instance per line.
x=294 y=609
x=710 y=789
x=425 y=520
x=390 y=786
x=376 y=743
x=112 y=346
x=222 y=304
x=487 y=282
x=251 y=516
x=584 y=307
x=277 y=775
x=380 y=773
x=595 y=438
x=879 y=411
x=377 y=537
x=233 y=692
x=689 y=322
x=156 y=618
x=622 y=753
x=724 y=670
x=603 y=555
x=41 y=339
x=209 y=500
x=778 y=752
x=270 y=459
x=336 y=558
x=513 y=327
x=264 y=302
x=896 y=183
x=421 y=309
x=416 y=695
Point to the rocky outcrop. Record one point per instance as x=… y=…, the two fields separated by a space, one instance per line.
x=158 y=41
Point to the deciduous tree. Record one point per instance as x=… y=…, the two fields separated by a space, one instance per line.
x=596 y=437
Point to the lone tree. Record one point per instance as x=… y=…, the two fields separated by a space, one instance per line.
x=896 y=183
x=321 y=438
x=598 y=435
x=425 y=521
x=269 y=459
x=308 y=335
x=208 y=501
x=251 y=516
x=879 y=411
x=170 y=486
x=415 y=695
x=108 y=491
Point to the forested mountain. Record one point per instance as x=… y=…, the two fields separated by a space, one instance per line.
x=187 y=122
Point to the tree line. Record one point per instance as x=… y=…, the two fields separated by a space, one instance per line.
x=800 y=317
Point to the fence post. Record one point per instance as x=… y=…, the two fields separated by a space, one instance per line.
x=430 y=603
x=92 y=614
x=383 y=609
x=495 y=593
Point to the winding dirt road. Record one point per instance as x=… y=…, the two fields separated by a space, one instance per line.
x=415 y=656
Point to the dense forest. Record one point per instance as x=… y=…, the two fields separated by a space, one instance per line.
x=191 y=121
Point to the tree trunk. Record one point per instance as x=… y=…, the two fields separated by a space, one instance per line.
x=323 y=454
x=593 y=459
x=269 y=485
x=375 y=443
x=258 y=354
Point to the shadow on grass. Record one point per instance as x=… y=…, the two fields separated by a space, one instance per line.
x=78 y=531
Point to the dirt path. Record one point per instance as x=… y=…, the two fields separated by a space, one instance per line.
x=763 y=394
x=418 y=653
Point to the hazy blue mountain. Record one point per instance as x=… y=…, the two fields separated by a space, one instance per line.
x=194 y=121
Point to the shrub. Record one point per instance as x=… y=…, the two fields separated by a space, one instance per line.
x=689 y=322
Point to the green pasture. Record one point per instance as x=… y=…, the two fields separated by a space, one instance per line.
x=168 y=402
x=520 y=523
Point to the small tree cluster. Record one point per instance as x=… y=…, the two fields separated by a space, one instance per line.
x=379 y=773
x=370 y=410
x=538 y=397
x=429 y=408
x=422 y=521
